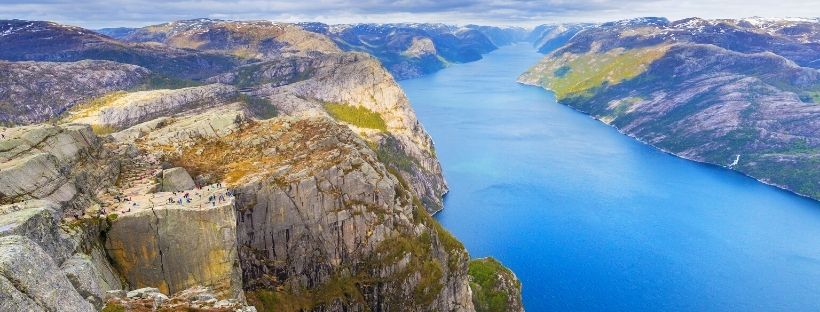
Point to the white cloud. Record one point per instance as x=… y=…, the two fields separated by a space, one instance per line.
x=109 y=13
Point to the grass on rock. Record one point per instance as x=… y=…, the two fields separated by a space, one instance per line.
x=358 y=116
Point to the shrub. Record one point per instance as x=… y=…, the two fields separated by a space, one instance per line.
x=260 y=107
x=356 y=115
x=484 y=280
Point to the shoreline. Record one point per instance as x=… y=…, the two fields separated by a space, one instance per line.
x=777 y=186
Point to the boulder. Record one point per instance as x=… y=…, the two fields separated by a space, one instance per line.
x=175 y=180
x=174 y=248
x=33 y=273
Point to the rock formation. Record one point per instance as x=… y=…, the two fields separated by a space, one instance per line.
x=301 y=182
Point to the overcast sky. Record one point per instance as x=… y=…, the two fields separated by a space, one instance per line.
x=131 y=13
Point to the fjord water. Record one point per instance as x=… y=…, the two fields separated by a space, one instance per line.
x=592 y=220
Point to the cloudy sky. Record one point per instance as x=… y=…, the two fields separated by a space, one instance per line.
x=110 y=13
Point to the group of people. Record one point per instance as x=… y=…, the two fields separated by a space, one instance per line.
x=186 y=197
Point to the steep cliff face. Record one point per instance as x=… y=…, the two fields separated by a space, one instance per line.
x=174 y=247
x=59 y=86
x=743 y=101
x=327 y=224
x=349 y=80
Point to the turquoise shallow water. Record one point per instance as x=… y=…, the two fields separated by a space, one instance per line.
x=592 y=220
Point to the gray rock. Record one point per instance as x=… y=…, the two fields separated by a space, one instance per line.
x=145 y=292
x=117 y=293
x=38 y=176
x=83 y=274
x=37 y=220
x=36 y=91
x=12 y=299
x=359 y=80
x=35 y=274
x=138 y=107
x=175 y=180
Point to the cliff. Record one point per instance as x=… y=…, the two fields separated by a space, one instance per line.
x=724 y=92
x=301 y=182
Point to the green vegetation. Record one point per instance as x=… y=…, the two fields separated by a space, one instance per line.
x=253 y=75
x=157 y=82
x=801 y=174
x=336 y=289
x=422 y=262
x=801 y=146
x=102 y=129
x=810 y=96
x=486 y=279
x=113 y=307
x=561 y=71
x=358 y=116
x=577 y=74
x=94 y=105
x=390 y=154
x=112 y=217
x=260 y=107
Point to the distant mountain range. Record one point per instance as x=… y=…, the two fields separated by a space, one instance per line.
x=743 y=94
x=407 y=50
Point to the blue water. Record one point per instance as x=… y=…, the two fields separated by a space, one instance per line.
x=591 y=220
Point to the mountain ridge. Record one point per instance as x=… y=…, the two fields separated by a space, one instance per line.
x=723 y=92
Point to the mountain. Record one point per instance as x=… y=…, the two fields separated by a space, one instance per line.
x=742 y=94
x=411 y=50
x=58 y=86
x=297 y=178
x=547 y=38
x=47 y=41
x=256 y=40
